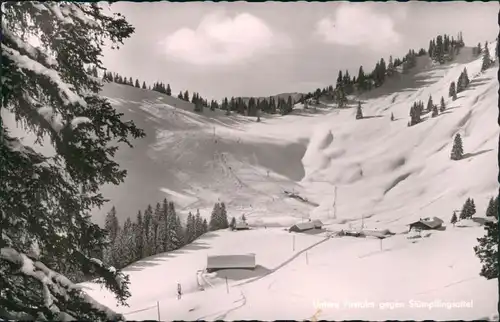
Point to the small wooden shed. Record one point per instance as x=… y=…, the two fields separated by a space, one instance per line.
x=218 y=262
x=427 y=224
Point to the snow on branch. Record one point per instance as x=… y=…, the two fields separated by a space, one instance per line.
x=24 y=62
x=59 y=15
x=33 y=52
x=55 y=119
x=80 y=15
x=39 y=6
x=48 y=113
x=79 y=120
x=52 y=117
x=52 y=282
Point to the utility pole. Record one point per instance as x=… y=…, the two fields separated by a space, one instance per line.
x=335 y=204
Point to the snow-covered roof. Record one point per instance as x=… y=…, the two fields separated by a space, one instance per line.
x=317 y=222
x=231 y=261
x=309 y=225
x=433 y=222
x=304 y=225
x=241 y=225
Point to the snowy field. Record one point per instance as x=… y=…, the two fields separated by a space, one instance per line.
x=386 y=174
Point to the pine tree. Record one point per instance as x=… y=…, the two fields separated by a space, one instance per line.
x=442 y=107
x=223 y=216
x=148 y=231
x=496 y=50
x=137 y=83
x=457 y=151
x=439 y=49
x=205 y=225
x=111 y=224
x=67 y=184
x=232 y=225
x=118 y=251
x=492 y=210
x=466 y=210
x=489 y=209
x=190 y=232
x=128 y=242
x=390 y=67
x=487 y=251
x=215 y=218
x=168 y=91
x=361 y=78
x=340 y=80
x=435 y=111
x=486 y=58
x=452 y=92
x=139 y=237
x=161 y=236
x=359 y=112
x=198 y=224
x=144 y=85
x=495 y=207
x=472 y=208
x=414 y=115
x=466 y=77
x=340 y=97
x=392 y=116
x=180 y=96
x=186 y=96
x=454 y=219
x=430 y=104
x=157 y=218
x=175 y=229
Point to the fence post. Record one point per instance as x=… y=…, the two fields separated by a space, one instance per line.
x=227 y=286
x=158 y=307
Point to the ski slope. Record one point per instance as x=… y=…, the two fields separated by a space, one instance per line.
x=386 y=175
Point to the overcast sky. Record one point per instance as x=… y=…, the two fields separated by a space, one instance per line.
x=260 y=49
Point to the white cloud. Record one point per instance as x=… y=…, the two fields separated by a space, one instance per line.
x=220 y=40
x=357 y=24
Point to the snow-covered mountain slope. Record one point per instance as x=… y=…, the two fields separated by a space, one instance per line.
x=386 y=175
x=393 y=173
x=194 y=159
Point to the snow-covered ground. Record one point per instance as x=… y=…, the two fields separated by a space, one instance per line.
x=385 y=173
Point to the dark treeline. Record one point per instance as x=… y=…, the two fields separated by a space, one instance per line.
x=156 y=230
x=347 y=85
x=251 y=107
x=443 y=48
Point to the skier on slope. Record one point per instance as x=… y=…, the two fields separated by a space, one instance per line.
x=179 y=291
